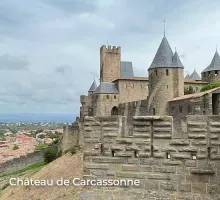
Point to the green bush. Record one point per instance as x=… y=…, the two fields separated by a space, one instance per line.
x=59 y=154
x=15 y=147
x=41 y=146
x=210 y=86
x=50 y=154
x=188 y=91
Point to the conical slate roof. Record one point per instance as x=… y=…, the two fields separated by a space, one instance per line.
x=187 y=76
x=176 y=61
x=215 y=64
x=93 y=87
x=195 y=76
x=164 y=55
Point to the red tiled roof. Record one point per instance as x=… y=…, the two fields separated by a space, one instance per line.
x=195 y=95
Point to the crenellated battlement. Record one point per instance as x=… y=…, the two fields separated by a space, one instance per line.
x=151 y=154
x=110 y=49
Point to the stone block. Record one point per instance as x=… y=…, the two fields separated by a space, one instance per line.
x=142 y=129
x=149 y=161
x=159 y=176
x=110 y=134
x=159 y=155
x=215 y=157
x=164 y=169
x=88 y=128
x=199 y=142
x=185 y=187
x=144 y=155
x=123 y=154
x=109 y=160
x=124 y=141
x=168 y=149
x=117 y=148
x=152 y=185
x=214 y=136
x=172 y=162
x=96 y=166
x=199 y=188
x=133 y=161
x=97 y=173
x=130 y=168
x=92 y=140
x=132 y=148
x=179 y=142
x=110 y=173
x=196 y=136
x=180 y=156
x=144 y=168
x=141 y=135
x=162 y=136
x=202 y=171
x=190 y=163
x=188 y=149
x=138 y=175
x=197 y=178
x=212 y=189
x=215 y=143
x=168 y=186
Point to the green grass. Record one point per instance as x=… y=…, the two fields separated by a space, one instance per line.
x=31 y=167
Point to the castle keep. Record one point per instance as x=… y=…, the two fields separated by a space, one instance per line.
x=146 y=128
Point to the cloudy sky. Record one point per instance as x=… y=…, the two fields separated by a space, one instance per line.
x=49 y=49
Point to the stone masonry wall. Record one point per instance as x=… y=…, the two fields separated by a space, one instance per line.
x=70 y=137
x=167 y=168
x=21 y=162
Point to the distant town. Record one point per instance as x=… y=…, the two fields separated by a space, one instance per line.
x=19 y=139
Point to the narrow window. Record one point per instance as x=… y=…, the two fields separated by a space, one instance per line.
x=113 y=153
x=151 y=150
x=135 y=154
x=209 y=152
x=209 y=73
x=168 y=155
x=194 y=156
x=107 y=97
x=114 y=96
x=181 y=109
x=167 y=72
x=216 y=72
x=167 y=86
x=154 y=112
x=156 y=72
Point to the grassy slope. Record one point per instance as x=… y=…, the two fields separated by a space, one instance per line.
x=66 y=167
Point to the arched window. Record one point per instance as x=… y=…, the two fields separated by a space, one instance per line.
x=114 y=111
x=154 y=112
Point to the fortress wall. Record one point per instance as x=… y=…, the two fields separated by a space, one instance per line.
x=168 y=168
x=70 y=137
x=21 y=162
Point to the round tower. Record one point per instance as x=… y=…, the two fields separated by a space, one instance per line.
x=166 y=79
x=212 y=73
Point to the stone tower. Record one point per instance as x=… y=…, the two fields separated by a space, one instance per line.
x=212 y=73
x=110 y=59
x=166 y=79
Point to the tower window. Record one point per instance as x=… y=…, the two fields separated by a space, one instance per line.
x=114 y=96
x=216 y=72
x=167 y=86
x=181 y=109
x=156 y=72
x=107 y=97
x=167 y=72
x=154 y=112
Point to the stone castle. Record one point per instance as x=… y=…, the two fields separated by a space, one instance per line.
x=147 y=129
x=163 y=90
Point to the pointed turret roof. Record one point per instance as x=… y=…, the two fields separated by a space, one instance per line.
x=93 y=87
x=107 y=88
x=215 y=64
x=164 y=55
x=176 y=61
x=187 y=76
x=195 y=76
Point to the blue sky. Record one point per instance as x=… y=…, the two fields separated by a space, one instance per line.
x=49 y=49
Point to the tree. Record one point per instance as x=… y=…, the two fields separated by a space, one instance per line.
x=189 y=90
x=210 y=86
x=50 y=154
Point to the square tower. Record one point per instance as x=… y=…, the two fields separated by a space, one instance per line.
x=110 y=60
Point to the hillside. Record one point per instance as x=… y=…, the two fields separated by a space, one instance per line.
x=65 y=167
